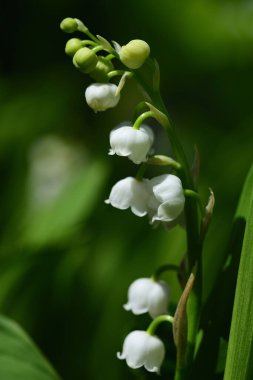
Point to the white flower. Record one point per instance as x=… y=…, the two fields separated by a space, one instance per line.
x=146 y=295
x=132 y=143
x=129 y=192
x=168 y=199
x=142 y=349
x=101 y=96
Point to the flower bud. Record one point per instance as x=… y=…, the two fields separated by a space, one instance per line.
x=101 y=96
x=103 y=67
x=134 y=54
x=72 y=46
x=85 y=59
x=69 y=25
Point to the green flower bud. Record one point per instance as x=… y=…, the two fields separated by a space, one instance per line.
x=72 y=46
x=101 y=70
x=85 y=59
x=134 y=54
x=69 y=25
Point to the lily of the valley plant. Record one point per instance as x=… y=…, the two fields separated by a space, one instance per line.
x=165 y=200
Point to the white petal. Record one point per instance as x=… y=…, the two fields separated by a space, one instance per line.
x=170 y=210
x=155 y=353
x=134 y=348
x=167 y=187
x=130 y=192
x=121 y=356
x=121 y=194
x=141 y=194
x=119 y=140
x=138 y=295
x=158 y=299
x=145 y=128
x=111 y=152
x=101 y=96
x=132 y=143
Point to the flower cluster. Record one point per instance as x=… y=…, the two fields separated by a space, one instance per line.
x=161 y=198
x=141 y=348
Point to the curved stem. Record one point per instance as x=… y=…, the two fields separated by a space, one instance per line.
x=88 y=42
x=165 y=268
x=156 y=322
x=141 y=119
x=109 y=57
x=194 y=195
x=98 y=48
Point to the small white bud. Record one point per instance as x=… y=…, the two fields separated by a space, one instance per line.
x=101 y=96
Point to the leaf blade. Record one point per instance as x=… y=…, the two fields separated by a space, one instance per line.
x=19 y=357
x=239 y=364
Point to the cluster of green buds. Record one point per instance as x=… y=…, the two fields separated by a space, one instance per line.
x=94 y=55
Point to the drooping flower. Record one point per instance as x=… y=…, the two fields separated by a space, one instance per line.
x=146 y=295
x=101 y=96
x=130 y=193
x=132 y=143
x=167 y=201
x=142 y=349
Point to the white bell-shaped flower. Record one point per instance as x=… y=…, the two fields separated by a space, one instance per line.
x=130 y=192
x=132 y=143
x=146 y=295
x=142 y=349
x=101 y=96
x=167 y=201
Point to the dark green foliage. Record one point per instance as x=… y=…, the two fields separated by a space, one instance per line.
x=65 y=266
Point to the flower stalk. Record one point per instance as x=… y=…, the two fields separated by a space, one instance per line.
x=163 y=198
x=194 y=243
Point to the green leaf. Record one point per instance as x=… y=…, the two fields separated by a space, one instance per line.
x=73 y=205
x=20 y=359
x=239 y=363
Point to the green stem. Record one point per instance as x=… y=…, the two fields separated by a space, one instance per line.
x=109 y=57
x=180 y=374
x=141 y=172
x=82 y=28
x=194 y=195
x=156 y=322
x=194 y=243
x=115 y=73
x=88 y=42
x=165 y=268
x=141 y=119
x=98 y=48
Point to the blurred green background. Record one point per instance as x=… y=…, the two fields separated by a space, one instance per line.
x=66 y=258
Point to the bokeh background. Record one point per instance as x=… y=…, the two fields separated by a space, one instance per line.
x=66 y=258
